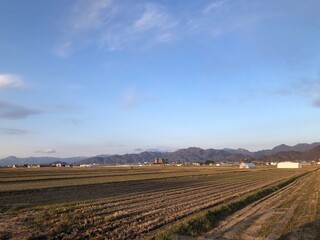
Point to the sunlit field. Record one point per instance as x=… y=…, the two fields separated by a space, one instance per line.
x=120 y=202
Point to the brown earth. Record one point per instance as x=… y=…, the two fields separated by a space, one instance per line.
x=290 y=213
x=123 y=210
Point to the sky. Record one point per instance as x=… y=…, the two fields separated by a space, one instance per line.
x=89 y=77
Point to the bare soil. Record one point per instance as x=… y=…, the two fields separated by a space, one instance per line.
x=128 y=209
x=290 y=213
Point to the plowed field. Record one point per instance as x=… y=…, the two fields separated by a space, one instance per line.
x=290 y=213
x=126 y=208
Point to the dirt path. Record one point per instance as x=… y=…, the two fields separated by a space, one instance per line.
x=291 y=213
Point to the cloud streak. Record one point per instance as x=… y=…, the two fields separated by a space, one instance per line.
x=303 y=88
x=11 y=111
x=47 y=151
x=10 y=81
x=114 y=26
x=156 y=18
x=12 y=131
x=316 y=102
x=213 y=6
x=131 y=98
x=87 y=15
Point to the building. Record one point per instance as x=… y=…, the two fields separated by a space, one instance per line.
x=288 y=165
x=33 y=166
x=160 y=161
x=85 y=165
x=247 y=165
x=196 y=164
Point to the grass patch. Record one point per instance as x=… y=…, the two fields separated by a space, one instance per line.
x=204 y=222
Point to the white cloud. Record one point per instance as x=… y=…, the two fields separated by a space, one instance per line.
x=87 y=15
x=47 y=151
x=132 y=98
x=154 y=17
x=115 y=26
x=85 y=19
x=213 y=6
x=10 y=81
x=63 y=50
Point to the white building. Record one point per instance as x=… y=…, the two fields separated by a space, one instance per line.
x=288 y=165
x=85 y=165
x=247 y=165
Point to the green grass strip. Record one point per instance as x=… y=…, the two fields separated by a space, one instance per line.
x=204 y=222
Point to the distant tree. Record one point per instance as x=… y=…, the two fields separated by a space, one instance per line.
x=208 y=162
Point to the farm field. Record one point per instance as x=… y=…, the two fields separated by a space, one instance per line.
x=35 y=178
x=123 y=203
x=291 y=213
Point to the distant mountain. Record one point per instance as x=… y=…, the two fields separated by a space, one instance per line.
x=302 y=151
x=301 y=147
x=191 y=154
x=310 y=155
x=194 y=154
x=239 y=151
x=37 y=160
x=123 y=159
x=59 y=162
x=282 y=157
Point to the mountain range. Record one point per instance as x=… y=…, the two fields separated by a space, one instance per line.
x=302 y=151
x=12 y=160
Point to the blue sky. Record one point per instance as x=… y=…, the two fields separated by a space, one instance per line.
x=90 y=77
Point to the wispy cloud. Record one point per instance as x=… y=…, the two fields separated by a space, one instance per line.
x=155 y=149
x=213 y=6
x=63 y=50
x=220 y=17
x=131 y=98
x=74 y=121
x=138 y=150
x=306 y=88
x=10 y=81
x=47 y=151
x=13 y=131
x=316 y=102
x=155 y=17
x=85 y=20
x=12 y=111
x=87 y=15
x=114 y=26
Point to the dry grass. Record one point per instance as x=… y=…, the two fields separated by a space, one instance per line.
x=24 y=178
x=290 y=213
x=119 y=203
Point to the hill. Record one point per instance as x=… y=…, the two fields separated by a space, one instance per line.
x=301 y=147
x=302 y=151
x=310 y=155
x=12 y=160
x=191 y=154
